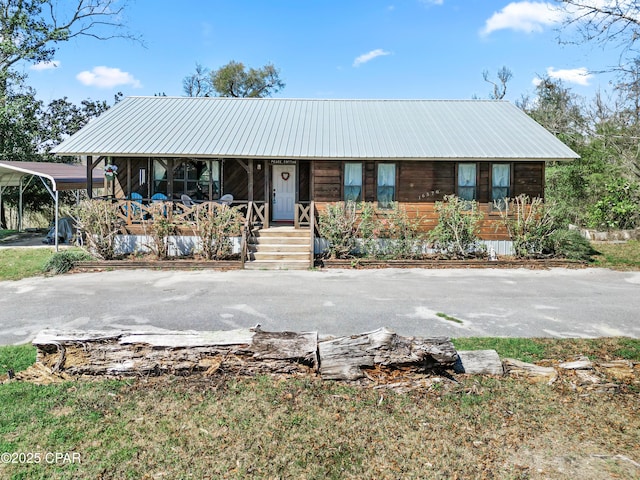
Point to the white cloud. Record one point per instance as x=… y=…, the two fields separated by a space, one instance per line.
x=579 y=76
x=38 y=67
x=107 y=77
x=432 y=2
x=367 y=57
x=525 y=17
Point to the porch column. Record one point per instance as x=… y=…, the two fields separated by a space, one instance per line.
x=89 y=176
x=250 y=180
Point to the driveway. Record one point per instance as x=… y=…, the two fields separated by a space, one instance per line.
x=487 y=302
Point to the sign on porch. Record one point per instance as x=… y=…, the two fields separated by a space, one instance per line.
x=283 y=162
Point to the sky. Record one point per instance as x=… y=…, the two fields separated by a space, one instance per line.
x=329 y=49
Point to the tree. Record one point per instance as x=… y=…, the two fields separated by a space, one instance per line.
x=198 y=84
x=616 y=21
x=234 y=80
x=31 y=29
x=500 y=86
x=28 y=130
x=61 y=119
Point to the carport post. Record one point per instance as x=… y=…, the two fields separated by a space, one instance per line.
x=20 y=204
x=57 y=197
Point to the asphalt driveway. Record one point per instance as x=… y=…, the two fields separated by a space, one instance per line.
x=487 y=302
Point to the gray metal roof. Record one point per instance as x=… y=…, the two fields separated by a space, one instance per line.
x=317 y=129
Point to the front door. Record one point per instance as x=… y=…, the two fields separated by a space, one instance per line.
x=283 y=196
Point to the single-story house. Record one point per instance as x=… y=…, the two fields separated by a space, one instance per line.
x=287 y=158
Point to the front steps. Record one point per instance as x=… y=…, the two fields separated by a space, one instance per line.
x=279 y=248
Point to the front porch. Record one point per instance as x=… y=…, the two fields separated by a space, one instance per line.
x=289 y=246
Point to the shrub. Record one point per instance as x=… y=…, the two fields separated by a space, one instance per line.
x=405 y=238
x=530 y=226
x=571 y=245
x=456 y=234
x=159 y=229
x=341 y=225
x=215 y=229
x=99 y=222
x=619 y=208
x=65 y=260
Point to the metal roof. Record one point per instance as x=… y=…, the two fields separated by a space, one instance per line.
x=62 y=176
x=316 y=129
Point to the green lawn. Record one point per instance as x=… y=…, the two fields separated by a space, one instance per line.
x=619 y=256
x=17 y=263
x=301 y=427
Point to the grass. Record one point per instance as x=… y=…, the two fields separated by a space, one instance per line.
x=18 y=263
x=264 y=427
x=536 y=349
x=619 y=256
x=16 y=358
x=448 y=317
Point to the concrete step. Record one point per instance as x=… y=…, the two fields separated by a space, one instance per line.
x=277 y=265
x=278 y=247
x=286 y=256
x=280 y=240
x=283 y=232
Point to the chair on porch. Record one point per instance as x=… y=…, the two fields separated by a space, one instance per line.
x=160 y=198
x=136 y=202
x=226 y=199
x=187 y=201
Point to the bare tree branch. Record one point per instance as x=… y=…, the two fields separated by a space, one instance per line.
x=31 y=29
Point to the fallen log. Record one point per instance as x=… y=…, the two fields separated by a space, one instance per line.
x=479 y=362
x=246 y=351
x=243 y=351
x=348 y=358
x=530 y=371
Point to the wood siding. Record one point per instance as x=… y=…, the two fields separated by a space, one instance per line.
x=421 y=184
x=528 y=179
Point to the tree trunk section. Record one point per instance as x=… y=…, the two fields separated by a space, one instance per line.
x=348 y=358
x=244 y=351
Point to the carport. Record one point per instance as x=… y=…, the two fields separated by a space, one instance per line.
x=56 y=177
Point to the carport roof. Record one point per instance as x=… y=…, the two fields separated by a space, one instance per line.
x=62 y=176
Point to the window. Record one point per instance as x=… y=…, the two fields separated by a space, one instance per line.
x=160 y=176
x=467 y=181
x=353 y=182
x=500 y=183
x=386 y=184
x=210 y=173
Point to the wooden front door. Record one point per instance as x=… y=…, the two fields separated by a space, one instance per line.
x=283 y=195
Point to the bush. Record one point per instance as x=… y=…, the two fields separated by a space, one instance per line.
x=99 y=222
x=405 y=238
x=456 y=234
x=530 y=226
x=619 y=208
x=215 y=230
x=339 y=225
x=159 y=229
x=65 y=260
x=571 y=245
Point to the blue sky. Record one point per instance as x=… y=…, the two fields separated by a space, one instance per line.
x=329 y=49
